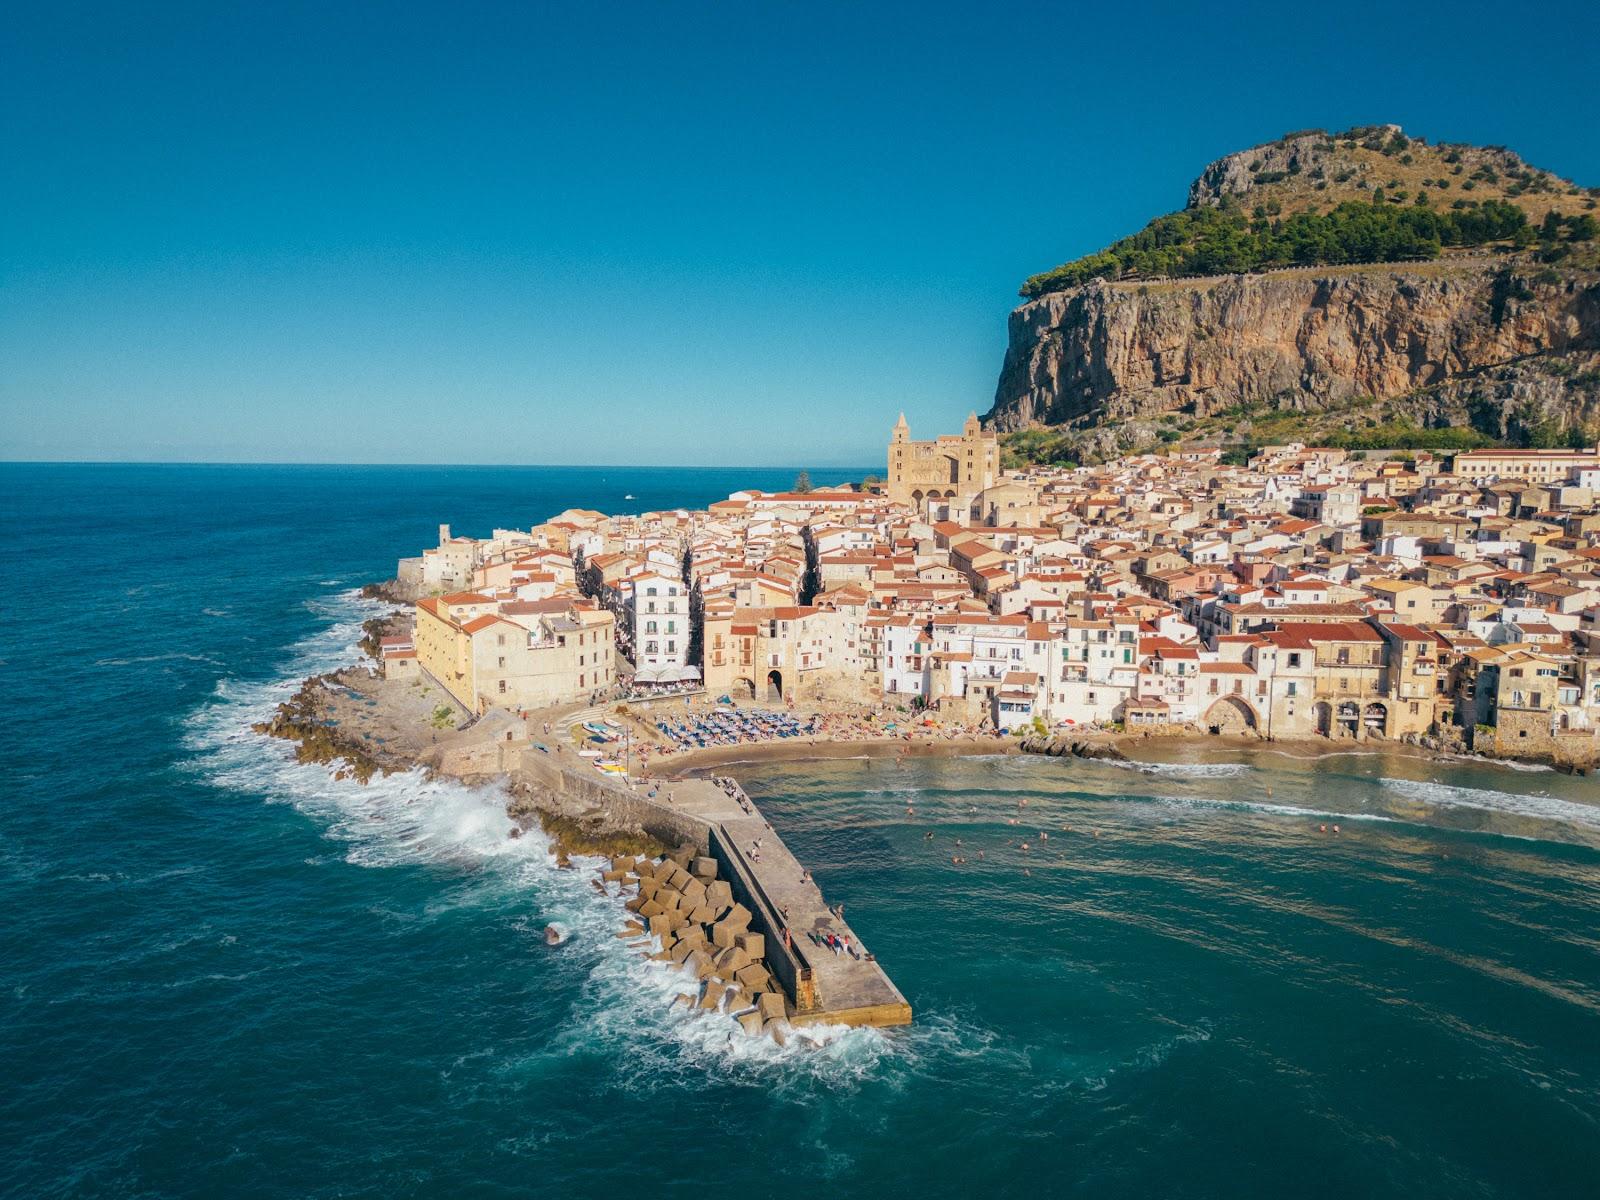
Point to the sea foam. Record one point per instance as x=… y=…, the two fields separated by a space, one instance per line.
x=409 y=819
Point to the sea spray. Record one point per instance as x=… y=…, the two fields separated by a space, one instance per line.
x=409 y=818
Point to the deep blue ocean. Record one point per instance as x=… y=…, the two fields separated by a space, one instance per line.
x=223 y=974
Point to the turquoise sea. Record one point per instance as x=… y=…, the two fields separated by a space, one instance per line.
x=222 y=974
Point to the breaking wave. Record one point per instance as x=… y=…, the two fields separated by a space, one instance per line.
x=408 y=819
x=1513 y=804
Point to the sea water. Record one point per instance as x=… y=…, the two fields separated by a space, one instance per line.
x=226 y=974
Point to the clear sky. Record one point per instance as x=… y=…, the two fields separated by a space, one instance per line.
x=667 y=232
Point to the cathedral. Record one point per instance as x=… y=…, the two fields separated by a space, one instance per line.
x=950 y=468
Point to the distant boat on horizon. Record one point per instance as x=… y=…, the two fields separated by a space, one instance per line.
x=629 y=496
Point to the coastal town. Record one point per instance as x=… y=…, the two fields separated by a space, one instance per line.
x=610 y=669
x=1308 y=593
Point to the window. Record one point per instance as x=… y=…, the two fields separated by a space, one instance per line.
x=1294 y=662
x=1293 y=689
x=502 y=687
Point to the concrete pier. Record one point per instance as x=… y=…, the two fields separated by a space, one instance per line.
x=823 y=987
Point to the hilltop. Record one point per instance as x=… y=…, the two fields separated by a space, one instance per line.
x=1323 y=285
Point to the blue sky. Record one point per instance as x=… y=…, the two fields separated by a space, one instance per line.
x=638 y=233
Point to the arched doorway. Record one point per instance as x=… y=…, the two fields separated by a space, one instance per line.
x=1231 y=715
x=916 y=496
x=1376 y=720
x=1349 y=719
x=745 y=688
x=1322 y=715
x=775 y=686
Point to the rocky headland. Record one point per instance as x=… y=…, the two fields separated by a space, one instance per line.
x=1140 y=346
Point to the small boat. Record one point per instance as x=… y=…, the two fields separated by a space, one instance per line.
x=629 y=496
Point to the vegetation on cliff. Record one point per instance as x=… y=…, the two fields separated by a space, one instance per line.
x=1226 y=241
x=1368 y=195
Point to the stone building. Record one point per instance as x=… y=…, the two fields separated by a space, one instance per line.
x=951 y=468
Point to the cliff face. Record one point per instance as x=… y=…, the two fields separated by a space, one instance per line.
x=1305 y=339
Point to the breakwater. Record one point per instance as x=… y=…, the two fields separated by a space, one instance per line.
x=739 y=911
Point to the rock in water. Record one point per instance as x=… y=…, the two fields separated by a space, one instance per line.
x=555 y=934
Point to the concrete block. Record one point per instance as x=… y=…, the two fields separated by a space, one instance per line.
x=676 y=920
x=752 y=944
x=681 y=951
x=694 y=891
x=719 y=894
x=635 y=904
x=704 y=868
x=711 y=995
x=771 y=1004
x=723 y=935
x=751 y=1022
x=683 y=855
x=682 y=998
x=645 y=866
x=650 y=908
x=679 y=879
x=732 y=960
x=739 y=917
x=734 y=999
x=612 y=876
x=778 y=1029
x=700 y=963
x=659 y=924
x=753 y=978
x=624 y=863
x=649 y=885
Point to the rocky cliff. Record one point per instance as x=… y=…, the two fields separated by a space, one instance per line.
x=1303 y=339
x=1492 y=337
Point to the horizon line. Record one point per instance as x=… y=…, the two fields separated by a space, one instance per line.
x=200 y=462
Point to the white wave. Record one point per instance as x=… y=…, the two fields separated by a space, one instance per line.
x=1185 y=770
x=1283 y=810
x=1510 y=764
x=406 y=818
x=150 y=658
x=1539 y=807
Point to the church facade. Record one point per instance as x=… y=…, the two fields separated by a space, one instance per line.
x=952 y=469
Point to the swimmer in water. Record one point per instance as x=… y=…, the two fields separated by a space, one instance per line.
x=1322 y=829
x=980 y=853
x=1025 y=871
x=1043 y=836
x=1336 y=829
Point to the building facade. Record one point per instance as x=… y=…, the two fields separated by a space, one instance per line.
x=952 y=468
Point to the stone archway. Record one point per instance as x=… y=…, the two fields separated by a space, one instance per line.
x=1375 y=719
x=745 y=688
x=775 y=687
x=1231 y=715
x=916 y=496
x=1348 y=720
